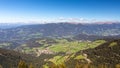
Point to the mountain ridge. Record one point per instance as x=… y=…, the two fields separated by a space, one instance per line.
x=60 y=30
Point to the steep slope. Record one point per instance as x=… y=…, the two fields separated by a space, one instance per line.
x=9 y=58
x=107 y=53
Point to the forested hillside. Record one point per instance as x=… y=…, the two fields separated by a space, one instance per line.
x=61 y=45
x=104 y=55
x=58 y=30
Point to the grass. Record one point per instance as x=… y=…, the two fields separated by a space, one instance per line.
x=58 y=59
x=63 y=45
x=74 y=46
x=79 y=57
x=113 y=44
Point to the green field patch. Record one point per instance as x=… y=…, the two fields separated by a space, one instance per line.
x=58 y=59
x=113 y=44
x=79 y=57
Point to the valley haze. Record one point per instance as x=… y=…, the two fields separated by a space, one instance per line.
x=59 y=33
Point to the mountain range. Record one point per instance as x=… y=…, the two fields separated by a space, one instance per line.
x=25 y=32
x=60 y=43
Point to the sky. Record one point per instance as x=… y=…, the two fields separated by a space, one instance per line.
x=42 y=11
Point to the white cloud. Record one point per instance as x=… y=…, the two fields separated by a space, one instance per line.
x=72 y=20
x=52 y=20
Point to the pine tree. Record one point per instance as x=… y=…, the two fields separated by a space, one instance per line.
x=22 y=64
x=62 y=65
x=31 y=66
x=117 y=66
x=1 y=66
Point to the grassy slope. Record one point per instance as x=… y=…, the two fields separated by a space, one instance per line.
x=106 y=54
x=60 y=45
x=71 y=52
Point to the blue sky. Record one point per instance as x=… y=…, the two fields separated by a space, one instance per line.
x=59 y=10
